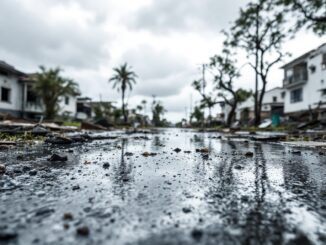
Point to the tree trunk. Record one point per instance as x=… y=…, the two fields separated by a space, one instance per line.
x=123 y=107
x=257 y=111
x=231 y=115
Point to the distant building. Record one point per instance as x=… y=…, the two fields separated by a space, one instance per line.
x=273 y=104
x=305 y=83
x=18 y=99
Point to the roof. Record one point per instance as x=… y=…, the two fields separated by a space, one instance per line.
x=9 y=68
x=302 y=57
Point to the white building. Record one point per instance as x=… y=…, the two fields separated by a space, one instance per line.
x=18 y=99
x=305 y=82
x=273 y=103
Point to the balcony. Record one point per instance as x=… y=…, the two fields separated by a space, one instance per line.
x=297 y=77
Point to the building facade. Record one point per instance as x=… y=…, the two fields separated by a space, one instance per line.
x=18 y=99
x=305 y=82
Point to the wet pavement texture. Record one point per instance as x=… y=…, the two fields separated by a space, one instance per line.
x=110 y=192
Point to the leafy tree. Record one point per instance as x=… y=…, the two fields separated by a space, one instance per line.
x=103 y=110
x=208 y=99
x=311 y=13
x=197 y=114
x=139 y=108
x=158 y=112
x=260 y=33
x=226 y=73
x=50 y=86
x=123 y=79
x=144 y=102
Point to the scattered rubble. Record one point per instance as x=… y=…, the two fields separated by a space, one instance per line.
x=149 y=154
x=57 y=158
x=83 y=231
x=249 y=154
x=2 y=168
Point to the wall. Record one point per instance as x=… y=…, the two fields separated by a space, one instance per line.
x=311 y=89
x=12 y=83
x=71 y=107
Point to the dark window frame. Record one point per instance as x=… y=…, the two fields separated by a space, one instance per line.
x=296 y=95
x=7 y=98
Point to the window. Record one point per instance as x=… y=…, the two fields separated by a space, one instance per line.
x=323 y=64
x=31 y=96
x=283 y=95
x=66 y=100
x=312 y=69
x=274 y=99
x=296 y=95
x=5 y=94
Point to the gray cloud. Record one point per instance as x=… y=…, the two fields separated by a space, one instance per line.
x=30 y=34
x=161 y=72
x=168 y=15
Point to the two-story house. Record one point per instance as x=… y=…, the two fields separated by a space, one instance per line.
x=18 y=99
x=305 y=83
x=273 y=104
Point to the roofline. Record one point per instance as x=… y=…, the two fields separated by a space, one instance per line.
x=303 y=56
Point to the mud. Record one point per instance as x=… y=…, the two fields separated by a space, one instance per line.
x=109 y=192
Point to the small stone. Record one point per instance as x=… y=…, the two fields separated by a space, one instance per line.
x=106 y=165
x=75 y=187
x=186 y=210
x=177 y=150
x=296 y=152
x=187 y=152
x=2 y=168
x=148 y=154
x=129 y=154
x=32 y=173
x=203 y=150
x=249 y=154
x=68 y=216
x=57 y=158
x=82 y=231
x=197 y=234
x=7 y=236
x=239 y=167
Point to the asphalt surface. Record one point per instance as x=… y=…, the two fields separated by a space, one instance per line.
x=174 y=187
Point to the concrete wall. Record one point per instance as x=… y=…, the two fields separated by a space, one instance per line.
x=267 y=100
x=71 y=107
x=311 y=93
x=11 y=82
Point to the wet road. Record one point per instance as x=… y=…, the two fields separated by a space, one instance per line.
x=112 y=194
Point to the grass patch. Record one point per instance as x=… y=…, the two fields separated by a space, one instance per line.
x=72 y=123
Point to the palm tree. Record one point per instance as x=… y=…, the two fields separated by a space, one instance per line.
x=50 y=86
x=123 y=79
x=144 y=102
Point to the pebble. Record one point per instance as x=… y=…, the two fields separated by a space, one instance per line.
x=197 y=234
x=249 y=154
x=2 y=168
x=82 y=231
x=57 y=158
x=75 y=187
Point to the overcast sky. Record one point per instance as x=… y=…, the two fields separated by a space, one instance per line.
x=165 y=41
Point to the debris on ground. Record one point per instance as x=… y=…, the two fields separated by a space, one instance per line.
x=57 y=158
x=249 y=154
x=82 y=231
x=2 y=168
x=177 y=150
x=149 y=154
x=203 y=150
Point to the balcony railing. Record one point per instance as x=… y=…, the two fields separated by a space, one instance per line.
x=295 y=80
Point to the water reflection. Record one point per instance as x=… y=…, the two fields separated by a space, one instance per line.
x=122 y=175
